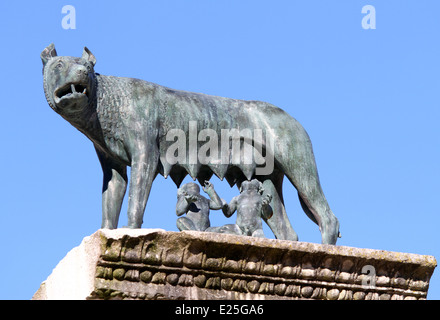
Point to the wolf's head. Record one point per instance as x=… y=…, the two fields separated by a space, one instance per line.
x=68 y=81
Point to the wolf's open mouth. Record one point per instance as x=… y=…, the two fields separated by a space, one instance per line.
x=70 y=90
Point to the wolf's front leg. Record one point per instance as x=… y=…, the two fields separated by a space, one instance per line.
x=113 y=190
x=143 y=172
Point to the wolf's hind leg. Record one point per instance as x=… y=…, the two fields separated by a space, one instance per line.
x=299 y=166
x=315 y=204
x=279 y=222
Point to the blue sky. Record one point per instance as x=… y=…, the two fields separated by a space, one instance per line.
x=369 y=100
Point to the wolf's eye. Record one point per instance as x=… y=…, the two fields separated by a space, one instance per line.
x=59 y=65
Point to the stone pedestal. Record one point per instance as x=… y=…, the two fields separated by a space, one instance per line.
x=158 y=264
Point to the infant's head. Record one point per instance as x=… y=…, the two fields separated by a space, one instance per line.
x=190 y=188
x=252 y=185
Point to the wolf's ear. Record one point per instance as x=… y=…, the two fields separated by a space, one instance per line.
x=48 y=53
x=89 y=56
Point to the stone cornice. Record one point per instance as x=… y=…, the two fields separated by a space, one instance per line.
x=146 y=264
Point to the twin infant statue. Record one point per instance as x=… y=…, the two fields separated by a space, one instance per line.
x=250 y=204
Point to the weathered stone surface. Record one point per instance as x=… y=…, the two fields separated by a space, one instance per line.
x=156 y=264
x=74 y=276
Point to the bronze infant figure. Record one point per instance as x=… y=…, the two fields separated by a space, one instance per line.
x=251 y=207
x=196 y=206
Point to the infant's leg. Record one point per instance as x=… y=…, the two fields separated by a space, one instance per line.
x=227 y=228
x=258 y=233
x=184 y=223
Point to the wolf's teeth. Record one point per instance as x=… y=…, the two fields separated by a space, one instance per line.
x=85 y=91
x=73 y=88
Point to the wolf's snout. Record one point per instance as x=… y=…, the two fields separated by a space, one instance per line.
x=81 y=70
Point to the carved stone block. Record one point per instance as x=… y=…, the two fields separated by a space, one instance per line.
x=156 y=264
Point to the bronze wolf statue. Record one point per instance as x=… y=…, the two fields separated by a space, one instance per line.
x=129 y=121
